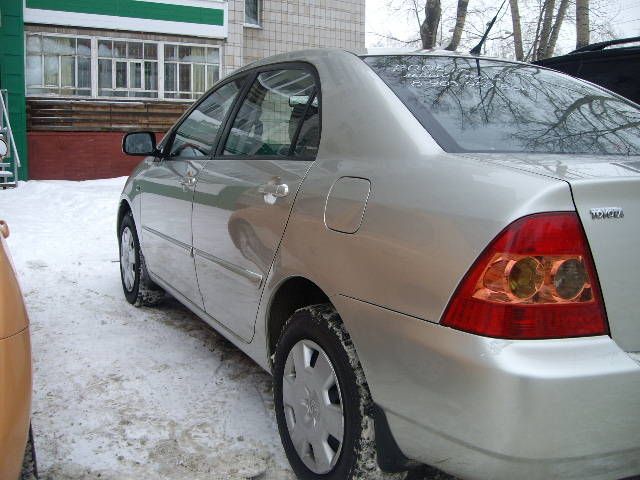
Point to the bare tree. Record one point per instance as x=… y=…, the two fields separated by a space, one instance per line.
x=582 y=23
x=461 y=17
x=555 y=32
x=517 y=30
x=547 y=24
x=429 y=27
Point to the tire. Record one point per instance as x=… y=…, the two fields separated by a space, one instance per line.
x=308 y=405
x=138 y=288
x=29 y=464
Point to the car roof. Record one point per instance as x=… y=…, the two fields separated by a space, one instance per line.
x=311 y=54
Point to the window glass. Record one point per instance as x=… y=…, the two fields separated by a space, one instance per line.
x=121 y=75
x=84 y=47
x=309 y=134
x=84 y=72
x=490 y=106
x=151 y=75
x=269 y=117
x=34 y=70
x=120 y=49
x=252 y=12
x=195 y=136
x=105 y=48
x=134 y=50
x=104 y=75
x=170 y=72
x=68 y=71
x=150 y=51
x=51 y=72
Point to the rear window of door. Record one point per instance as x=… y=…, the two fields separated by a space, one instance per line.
x=279 y=117
x=196 y=135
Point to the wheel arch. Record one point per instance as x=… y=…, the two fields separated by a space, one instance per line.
x=292 y=294
x=123 y=209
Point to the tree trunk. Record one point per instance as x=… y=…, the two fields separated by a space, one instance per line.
x=517 y=30
x=562 y=12
x=429 y=29
x=461 y=17
x=547 y=25
x=582 y=23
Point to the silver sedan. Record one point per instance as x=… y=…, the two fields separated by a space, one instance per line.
x=435 y=255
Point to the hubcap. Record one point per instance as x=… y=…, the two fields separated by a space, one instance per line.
x=313 y=406
x=128 y=259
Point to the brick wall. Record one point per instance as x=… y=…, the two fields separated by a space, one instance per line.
x=78 y=155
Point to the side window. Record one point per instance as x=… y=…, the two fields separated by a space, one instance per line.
x=309 y=135
x=195 y=136
x=268 y=120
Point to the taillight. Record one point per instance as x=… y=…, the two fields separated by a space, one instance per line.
x=535 y=280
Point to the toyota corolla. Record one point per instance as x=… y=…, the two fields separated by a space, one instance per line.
x=435 y=255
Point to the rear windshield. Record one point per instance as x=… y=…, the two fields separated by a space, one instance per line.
x=473 y=105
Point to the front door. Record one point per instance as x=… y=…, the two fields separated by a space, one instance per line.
x=167 y=193
x=245 y=194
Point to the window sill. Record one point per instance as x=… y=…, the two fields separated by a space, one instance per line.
x=252 y=25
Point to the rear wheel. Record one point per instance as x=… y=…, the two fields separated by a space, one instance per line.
x=322 y=399
x=138 y=288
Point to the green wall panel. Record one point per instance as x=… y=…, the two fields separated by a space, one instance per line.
x=135 y=9
x=12 y=73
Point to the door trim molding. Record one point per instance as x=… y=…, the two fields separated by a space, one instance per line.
x=253 y=277
x=177 y=243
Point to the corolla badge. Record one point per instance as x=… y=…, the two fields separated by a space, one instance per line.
x=606 y=213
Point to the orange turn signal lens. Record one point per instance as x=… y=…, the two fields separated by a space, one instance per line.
x=511 y=278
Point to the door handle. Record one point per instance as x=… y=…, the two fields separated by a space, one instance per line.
x=275 y=189
x=188 y=182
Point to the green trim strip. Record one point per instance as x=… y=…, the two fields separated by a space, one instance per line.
x=135 y=9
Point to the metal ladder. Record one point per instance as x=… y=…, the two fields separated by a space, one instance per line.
x=8 y=168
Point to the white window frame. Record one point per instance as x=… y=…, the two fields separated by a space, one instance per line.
x=178 y=63
x=259 y=15
x=42 y=57
x=160 y=62
x=128 y=61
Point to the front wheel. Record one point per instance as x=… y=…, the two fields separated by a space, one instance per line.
x=322 y=399
x=137 y=286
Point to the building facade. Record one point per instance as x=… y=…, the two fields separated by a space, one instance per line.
x=95 y=68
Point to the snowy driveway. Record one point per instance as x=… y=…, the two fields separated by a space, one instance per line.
x=120 y=392
x=123 y=392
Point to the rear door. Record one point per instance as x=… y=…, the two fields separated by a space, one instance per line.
x=167 y=192
x=245 y=194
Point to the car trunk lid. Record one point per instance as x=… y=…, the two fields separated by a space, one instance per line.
x=610 y=213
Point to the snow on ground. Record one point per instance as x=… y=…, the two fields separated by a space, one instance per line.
x=121 y=392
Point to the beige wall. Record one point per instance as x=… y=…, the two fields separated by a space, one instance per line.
x=294 y=25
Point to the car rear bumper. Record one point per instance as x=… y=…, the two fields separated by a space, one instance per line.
x=15 y=402
x=483 y=408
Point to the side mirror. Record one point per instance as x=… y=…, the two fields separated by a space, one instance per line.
x=139 y=143
x=4 y=148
